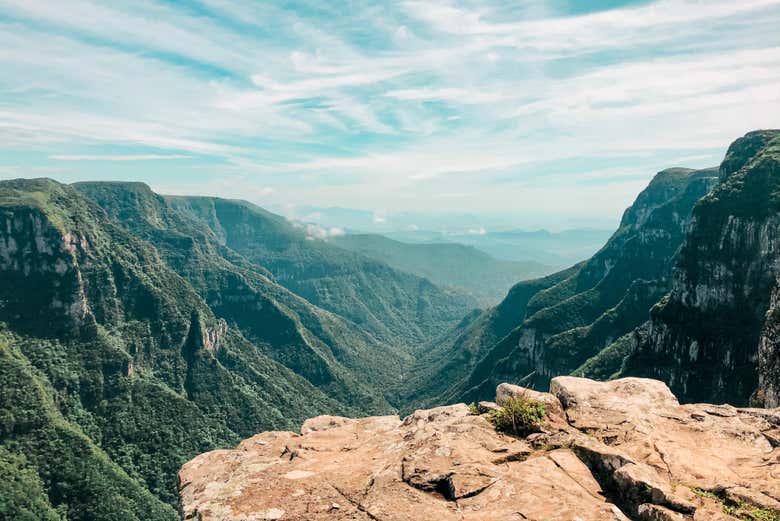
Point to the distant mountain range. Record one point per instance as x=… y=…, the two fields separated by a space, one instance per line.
x=487 y=233
x=557 y=249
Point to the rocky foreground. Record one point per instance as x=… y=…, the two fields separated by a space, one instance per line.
x=618 y=450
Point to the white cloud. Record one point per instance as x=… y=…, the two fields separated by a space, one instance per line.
x=605 y=28
x=317 y=232
x=451 y=195
x=466 y=96
x=143 y=23
x=138 y=157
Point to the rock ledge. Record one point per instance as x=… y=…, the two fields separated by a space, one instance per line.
x=615 y=450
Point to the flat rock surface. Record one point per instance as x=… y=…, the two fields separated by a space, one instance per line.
x=608 y=451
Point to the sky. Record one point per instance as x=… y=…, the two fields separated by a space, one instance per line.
x=550 y=111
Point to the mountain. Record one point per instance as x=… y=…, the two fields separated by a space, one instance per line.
x=446 y=264
x=329 y=351
x=550 y=326
x=396 y=307
x=602 y=451
x=715 y=335
x=133 y=337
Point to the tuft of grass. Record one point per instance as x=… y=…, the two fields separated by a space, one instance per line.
x=473 y=409
x=519 y=415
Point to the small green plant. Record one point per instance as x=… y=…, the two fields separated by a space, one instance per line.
x=748 y=512
x=519 y=415
x=758 y=399
x=742 y=511
x=473 y=409
x=706 y=493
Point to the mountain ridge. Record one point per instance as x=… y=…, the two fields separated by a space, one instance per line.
x=711 y=336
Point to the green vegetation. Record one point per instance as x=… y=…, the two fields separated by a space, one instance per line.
x=740 y=510
x=519 y=415
x=22 y=495
x=62 y=472
x=705 y=493
x=396 y=308
x=439 y=375
x=608 y=363
x=747 y=512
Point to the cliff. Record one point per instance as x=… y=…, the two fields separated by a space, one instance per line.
x=714 y=336
x=618 y=450
x=553 y=325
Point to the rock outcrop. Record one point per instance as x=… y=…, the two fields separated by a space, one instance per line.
x=618 y=450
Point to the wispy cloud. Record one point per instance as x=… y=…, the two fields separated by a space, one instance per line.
x=138 y=157
x=389 y=104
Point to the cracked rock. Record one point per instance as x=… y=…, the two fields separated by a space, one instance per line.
x=608 y=451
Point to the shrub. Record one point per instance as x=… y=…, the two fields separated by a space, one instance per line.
x=519 y=415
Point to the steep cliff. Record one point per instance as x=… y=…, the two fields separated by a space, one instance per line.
x=551 y=326
x=394 y=306
x=714 y=336
x=330 y=352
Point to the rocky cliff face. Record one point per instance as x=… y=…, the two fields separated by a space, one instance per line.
x=394 y=306
x=768 y=393
x=330 y=352
x=617 y=450
x=714 y=336
x=553 y=325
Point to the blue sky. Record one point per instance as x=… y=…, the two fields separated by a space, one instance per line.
x=548 y=109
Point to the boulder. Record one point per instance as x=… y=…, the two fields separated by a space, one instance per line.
x=553 y=408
